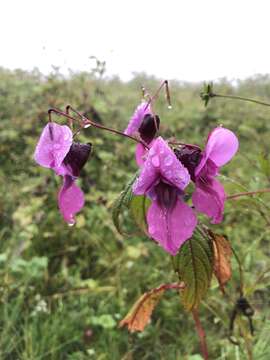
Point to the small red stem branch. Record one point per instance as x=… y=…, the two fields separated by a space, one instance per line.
x=201 y=334
x=247 y=193
x=168 y=97
x=86 y=121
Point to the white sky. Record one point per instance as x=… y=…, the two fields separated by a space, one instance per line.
x=187 y=40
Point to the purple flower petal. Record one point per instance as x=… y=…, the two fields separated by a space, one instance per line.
x=140 y=153
x=161 y=163
x=222 y=144
x=53 y=145
x=137 y=118
x=171 y=227
x=70 y=199
x=209 y=198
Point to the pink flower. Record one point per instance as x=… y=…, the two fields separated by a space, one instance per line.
x=55 y=150
x=144 y=123
x=209 y=196
x=137 y=118
x=163 y=178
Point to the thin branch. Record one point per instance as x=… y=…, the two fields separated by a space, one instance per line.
x=247 y=193
x=234 y=97
x=168 y=97
x=87 y=122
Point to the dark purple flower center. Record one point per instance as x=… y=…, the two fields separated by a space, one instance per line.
x=190 y=157
x=166 y=195
x=149 y=127
x=77 y=156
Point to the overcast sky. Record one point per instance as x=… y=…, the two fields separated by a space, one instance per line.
x=187 y=40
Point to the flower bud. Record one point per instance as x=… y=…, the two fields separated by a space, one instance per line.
x=190 y=157
x=149 y=127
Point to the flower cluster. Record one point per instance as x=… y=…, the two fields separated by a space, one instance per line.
x=165 y=173
x=57 y=151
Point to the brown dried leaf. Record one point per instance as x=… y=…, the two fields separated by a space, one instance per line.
x=139 y=315
x=222 y=259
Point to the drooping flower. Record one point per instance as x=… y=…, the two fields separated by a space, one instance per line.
x=144 y=123
x=209 y=196
x=56 y=150
x=163 y=178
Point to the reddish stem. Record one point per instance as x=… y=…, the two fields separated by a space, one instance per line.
x=89 y=122
x=247 y=193
x=152 y=98
x=201 y=334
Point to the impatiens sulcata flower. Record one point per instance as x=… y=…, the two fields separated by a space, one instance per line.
x=163 y=178
x=144 y=123
x=203 y=166
x=56 y=150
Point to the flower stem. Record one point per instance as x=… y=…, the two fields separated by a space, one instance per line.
x=234 y=97
x=86 y=121
x=201 y=334
x=167 y=91
x=247 y=193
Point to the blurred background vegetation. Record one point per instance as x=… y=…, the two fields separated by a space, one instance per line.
x=64 y=290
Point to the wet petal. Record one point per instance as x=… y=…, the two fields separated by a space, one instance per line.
x=171 y=227
x=70 y=199
x=53 y=145
x=209 y=198
x=222 y=144
x=170 y=168
x=140 y=153
x=161 y=164
x=137 y=118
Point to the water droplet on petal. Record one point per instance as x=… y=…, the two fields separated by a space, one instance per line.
x=168 y=160
x=56 y=146
x=155 y=161
x=71 y=223
x=151 y=229
x=152 y=151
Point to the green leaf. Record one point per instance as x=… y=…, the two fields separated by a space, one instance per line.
x=138 y=208
x=131 y=207
x=121 y=202
x=195 y=262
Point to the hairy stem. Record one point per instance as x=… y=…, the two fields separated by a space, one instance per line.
x=201 y=334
